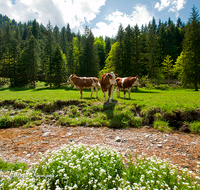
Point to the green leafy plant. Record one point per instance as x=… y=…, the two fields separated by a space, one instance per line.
x=161 y=126
x=97 y=167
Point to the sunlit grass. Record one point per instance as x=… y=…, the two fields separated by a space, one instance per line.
x=121 y=113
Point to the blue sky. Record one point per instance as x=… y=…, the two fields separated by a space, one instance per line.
x=102 y=16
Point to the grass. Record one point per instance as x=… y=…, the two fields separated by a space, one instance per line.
x=81 y=167
x=146 y=107
x=7 y=166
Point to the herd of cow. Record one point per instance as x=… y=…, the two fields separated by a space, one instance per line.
x=107 y=83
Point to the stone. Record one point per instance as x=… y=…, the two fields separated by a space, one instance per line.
x=117 y=139
x=185 y=128
x=46 y=134
x=28 y=155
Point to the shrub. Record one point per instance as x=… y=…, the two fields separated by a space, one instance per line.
x=195 y=126
x=74 y=113
x=20 y=120
x=161 y=126
x=5 y=122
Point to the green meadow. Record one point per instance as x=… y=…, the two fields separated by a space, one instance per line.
x=163 y=109
x=82 y=167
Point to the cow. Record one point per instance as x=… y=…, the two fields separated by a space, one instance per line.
x=84 y=82
x=107 y=82
x=125 y=84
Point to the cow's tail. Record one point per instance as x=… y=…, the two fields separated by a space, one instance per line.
x=98 y=84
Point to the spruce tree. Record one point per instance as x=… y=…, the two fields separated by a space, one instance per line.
x=49 y=53
x=28 y=70
x=89 y=65
x=152 y=49
x=191 y=49
x=59 y=67
x=129 y=47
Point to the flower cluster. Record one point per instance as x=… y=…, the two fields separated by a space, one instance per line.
x=82 y=167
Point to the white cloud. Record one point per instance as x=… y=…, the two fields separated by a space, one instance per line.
x=173 y=5
x=139 y=16
x=163 y=4
x=59 y=12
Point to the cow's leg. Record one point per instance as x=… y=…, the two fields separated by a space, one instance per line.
x=81 y=91
x=129 y=92
x=118 y=92
x=92 y=90
x=112 y=87
x=109 y=94
x=124 y=93
x=96 y=88
x=104 y=94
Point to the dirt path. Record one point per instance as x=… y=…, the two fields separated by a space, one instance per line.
x=24 y=145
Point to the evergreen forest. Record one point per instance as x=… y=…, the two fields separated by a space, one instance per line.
x=31 y=52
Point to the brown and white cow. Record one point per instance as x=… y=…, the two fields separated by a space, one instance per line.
x=125 y=84
x=84 y=82
x=107 y=82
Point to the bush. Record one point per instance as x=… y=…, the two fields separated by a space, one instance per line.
x=161 y=126
x=5 y=122
x=195 y=126
x=124 y=120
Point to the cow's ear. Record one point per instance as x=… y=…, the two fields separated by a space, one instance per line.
x=116 y=75
x=136 y=76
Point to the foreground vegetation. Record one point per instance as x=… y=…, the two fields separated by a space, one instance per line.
x=163 y=109
x=82 y=167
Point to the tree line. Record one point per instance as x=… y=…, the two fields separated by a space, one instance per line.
x=31 y=52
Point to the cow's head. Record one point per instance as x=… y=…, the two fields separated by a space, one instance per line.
x=70 y=78
x=112 y=78
x=136 y=83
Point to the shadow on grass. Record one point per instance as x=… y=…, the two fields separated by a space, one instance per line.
x=108 y=108
x=15 y=89
x=144 y=92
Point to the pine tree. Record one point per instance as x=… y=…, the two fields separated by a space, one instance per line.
x=49 y=53
x=99 y=42
x=63 y=39
x=137 y=52
x=129 y=52
x=76 y=56
x=8 y=37
x=143 y=50
x=167 y=67
x=191 y=49
x=152 y=49
x=89 y=65
x=56 y=34
x=120 y=52
x=1 y=53
x=59 y=67
x=28 y=69
x=35 y=29
x=108 y=45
